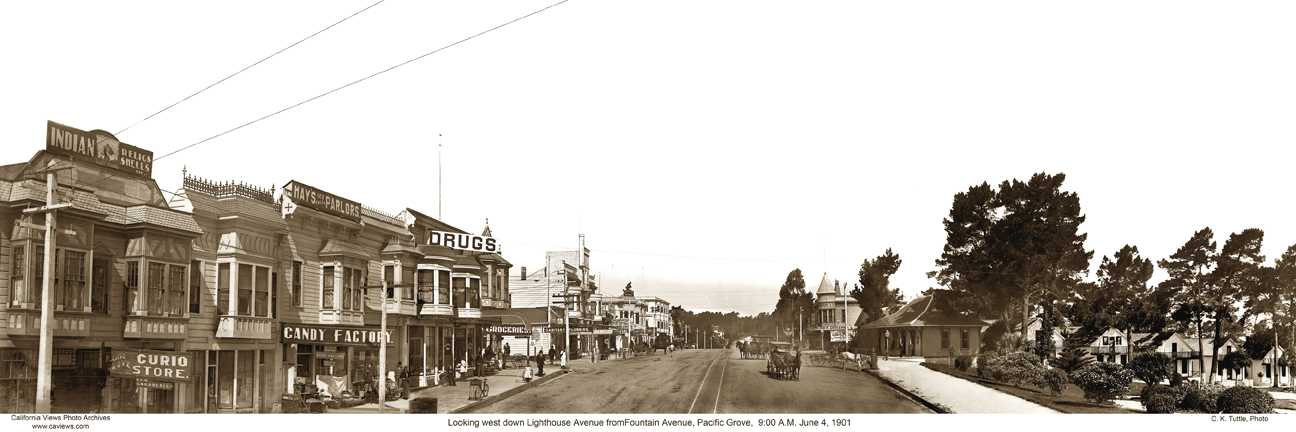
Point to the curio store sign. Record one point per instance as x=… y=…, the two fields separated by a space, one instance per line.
x=313 y=335
x=152 y=365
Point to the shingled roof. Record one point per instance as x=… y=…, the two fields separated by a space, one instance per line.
x=924 y=311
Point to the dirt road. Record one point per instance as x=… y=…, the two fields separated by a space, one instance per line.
x=705 y=381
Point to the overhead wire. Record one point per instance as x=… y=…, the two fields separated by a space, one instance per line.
x=112 y=175
x=249 y=67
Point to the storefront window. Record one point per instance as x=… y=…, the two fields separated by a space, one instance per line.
x=18 y=370
x=244 y=373
x=225 y=379
x=223 y=289
x=327 y=288
x=443 y=287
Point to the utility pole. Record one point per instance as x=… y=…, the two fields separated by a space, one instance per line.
x=382 y=340
x=45 y=361
x=567 y=310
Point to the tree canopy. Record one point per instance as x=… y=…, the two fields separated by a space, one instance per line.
x=873 y=292
x=1014 y=247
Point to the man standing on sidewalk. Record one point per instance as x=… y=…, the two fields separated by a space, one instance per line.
x=402 y=373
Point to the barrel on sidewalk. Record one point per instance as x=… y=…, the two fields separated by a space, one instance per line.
x=423 y=405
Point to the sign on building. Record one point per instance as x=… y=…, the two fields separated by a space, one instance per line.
x=151 y=365
x=468 y=242
x=306 y=196
x=100 y=147
x=318 y=335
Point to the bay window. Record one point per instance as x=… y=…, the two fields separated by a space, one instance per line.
x=132 y=286
x=73 y=280
x=443 y=287
x=474 y=292
x=156 y=290
x=178 y=303
x=99 y=287
x=17 y=272
x=327 y=288
x=223 y=289
x=407 y=292
x=460 y=291
x=244 y=290
x=262 y=291
x=389 y=276
x=357 y=294
x=195 y=287
x=251 y=290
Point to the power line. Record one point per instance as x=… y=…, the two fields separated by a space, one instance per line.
x=249 y=67
x=339 y=88
x=362 y=79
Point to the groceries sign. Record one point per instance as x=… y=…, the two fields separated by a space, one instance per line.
x=307 y=196
x=152 y=365
x=100 y=147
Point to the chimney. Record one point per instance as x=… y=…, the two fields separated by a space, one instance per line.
x=524 y=274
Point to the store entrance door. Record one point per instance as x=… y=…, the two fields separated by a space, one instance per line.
x=158 y=401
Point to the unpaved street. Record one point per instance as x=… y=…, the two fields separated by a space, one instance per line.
x=705 y=381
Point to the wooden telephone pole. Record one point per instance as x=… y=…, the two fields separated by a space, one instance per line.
x=382 y=340
x=44 y=376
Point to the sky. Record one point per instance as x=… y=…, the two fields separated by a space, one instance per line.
x=705 y=148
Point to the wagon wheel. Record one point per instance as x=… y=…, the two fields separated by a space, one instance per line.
x=816 y=360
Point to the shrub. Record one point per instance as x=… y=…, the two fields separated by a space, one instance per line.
x=985 y=365
x=1176 y=380
x=1201 y=397
x=963 y=362
x=1055 y=380
x=1102 y=382
x=1245 y=400
x=1162 y=399
x=1020 y=367
x=1152 y=367
x=1159 y=403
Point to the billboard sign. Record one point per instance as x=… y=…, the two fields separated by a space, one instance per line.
x=101 y=147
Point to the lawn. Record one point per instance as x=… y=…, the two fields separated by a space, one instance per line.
x=1072 y=400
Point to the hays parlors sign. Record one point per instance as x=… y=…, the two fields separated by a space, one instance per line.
x=152 y=365
x=306 y=196
x=357 y=336
x=100 y=147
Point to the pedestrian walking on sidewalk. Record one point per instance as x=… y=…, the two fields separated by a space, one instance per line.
x=506 y=355
x=540 y=359
x=553 y=353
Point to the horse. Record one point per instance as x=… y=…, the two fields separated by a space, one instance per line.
x=796 y=367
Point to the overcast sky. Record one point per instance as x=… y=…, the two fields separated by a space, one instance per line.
x=705 y=148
